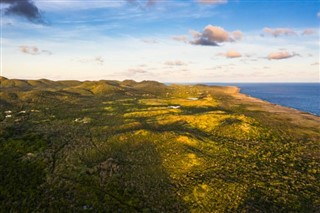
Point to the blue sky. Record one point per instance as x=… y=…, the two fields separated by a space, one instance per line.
x=164 y=40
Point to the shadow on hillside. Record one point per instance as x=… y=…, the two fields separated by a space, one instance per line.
x=134 y=172
x=120 y=175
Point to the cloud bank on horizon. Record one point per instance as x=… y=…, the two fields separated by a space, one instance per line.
x=174 y=40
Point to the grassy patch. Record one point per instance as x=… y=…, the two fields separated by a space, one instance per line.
x=117 y=147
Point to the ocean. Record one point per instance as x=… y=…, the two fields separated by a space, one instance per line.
x=301 y=96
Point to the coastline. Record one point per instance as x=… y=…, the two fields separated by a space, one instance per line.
x=299 y=96
x=212 y=140
x=294 y=115
x=302 y=96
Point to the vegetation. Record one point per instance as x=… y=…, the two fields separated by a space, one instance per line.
x=112 y=146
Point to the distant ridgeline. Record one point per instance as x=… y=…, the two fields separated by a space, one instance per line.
x=112 y=146
x=32 y=90
x=93 y=87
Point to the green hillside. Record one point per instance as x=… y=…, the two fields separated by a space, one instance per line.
x=111 y=146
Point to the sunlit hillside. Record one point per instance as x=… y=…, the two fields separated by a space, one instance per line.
x=126 y=146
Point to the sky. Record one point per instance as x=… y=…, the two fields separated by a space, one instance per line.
x=162 y=40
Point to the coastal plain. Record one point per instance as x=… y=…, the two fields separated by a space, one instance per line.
x=126 y=146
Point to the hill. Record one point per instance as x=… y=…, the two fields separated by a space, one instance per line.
x=111 y=146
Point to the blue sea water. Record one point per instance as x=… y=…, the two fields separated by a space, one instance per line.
x=302 y=96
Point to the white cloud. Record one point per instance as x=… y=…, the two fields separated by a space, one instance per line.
x=279 y=31
x=309 y=32
x=182 y=38
x=124 y=57
x=281 y=55
x=33 y=50
x=213 y=35
x=233 y=54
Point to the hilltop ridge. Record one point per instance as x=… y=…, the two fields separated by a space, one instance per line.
x=95 y=87
x=148 y=147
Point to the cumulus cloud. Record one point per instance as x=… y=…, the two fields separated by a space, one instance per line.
x=318 y=14
x=281 y=55
x=279 y=31
x=212 y=1
x=213 y=35
x=175 y=63
x=32 y=50
x=232 y=54
x=203 y=42
x=216 y=34
x=195 y=34
x=308 y=32
x=23 y=8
